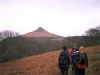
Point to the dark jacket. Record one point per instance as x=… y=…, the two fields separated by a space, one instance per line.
x=64 y=60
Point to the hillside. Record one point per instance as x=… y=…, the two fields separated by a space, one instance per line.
x=17 y=47
x=31 y=43
x=46 y=64
x=40 y=32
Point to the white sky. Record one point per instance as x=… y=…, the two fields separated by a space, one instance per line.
x=62 y=17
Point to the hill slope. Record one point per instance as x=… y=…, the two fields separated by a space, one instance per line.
x=31 y=43
x=40 y=32
x=47 y=64
x=17 y=47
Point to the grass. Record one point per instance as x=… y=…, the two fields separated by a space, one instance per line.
x=94 y=61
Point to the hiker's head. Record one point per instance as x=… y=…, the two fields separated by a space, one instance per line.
x=77 y=49
x=70 y=49
x=64 y=48
x=81 y=49
x=73 y=49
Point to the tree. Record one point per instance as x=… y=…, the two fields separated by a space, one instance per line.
x=93 y=31
x=8 y=33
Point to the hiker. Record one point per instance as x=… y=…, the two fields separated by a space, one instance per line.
x=71 y=57
x=64 y=61
x=75 y=54
x=81 y=62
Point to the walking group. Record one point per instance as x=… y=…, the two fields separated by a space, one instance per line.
x=74 y=57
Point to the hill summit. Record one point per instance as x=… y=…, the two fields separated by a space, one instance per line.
x=40 y=29
x=41 y=32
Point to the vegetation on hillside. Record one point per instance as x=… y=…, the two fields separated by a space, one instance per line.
x=7 y=33
x=17 y=47
x=77 y=41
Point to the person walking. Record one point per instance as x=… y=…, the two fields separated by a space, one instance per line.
x=75 y=56
x=71 y=57
x=64 y=61
x=81 y=62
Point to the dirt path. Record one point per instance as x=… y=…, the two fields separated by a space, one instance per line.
x=70 y=71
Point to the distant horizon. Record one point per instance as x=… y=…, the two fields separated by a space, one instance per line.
x=61 y=17
x=45 y=30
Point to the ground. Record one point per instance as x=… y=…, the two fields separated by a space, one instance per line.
x=47 y=64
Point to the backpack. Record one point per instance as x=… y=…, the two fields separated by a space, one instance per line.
x=75 y=56
x=82 y=59
x=81 y=62
x=64 y=60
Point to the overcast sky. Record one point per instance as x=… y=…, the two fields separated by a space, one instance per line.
x=62 y=17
